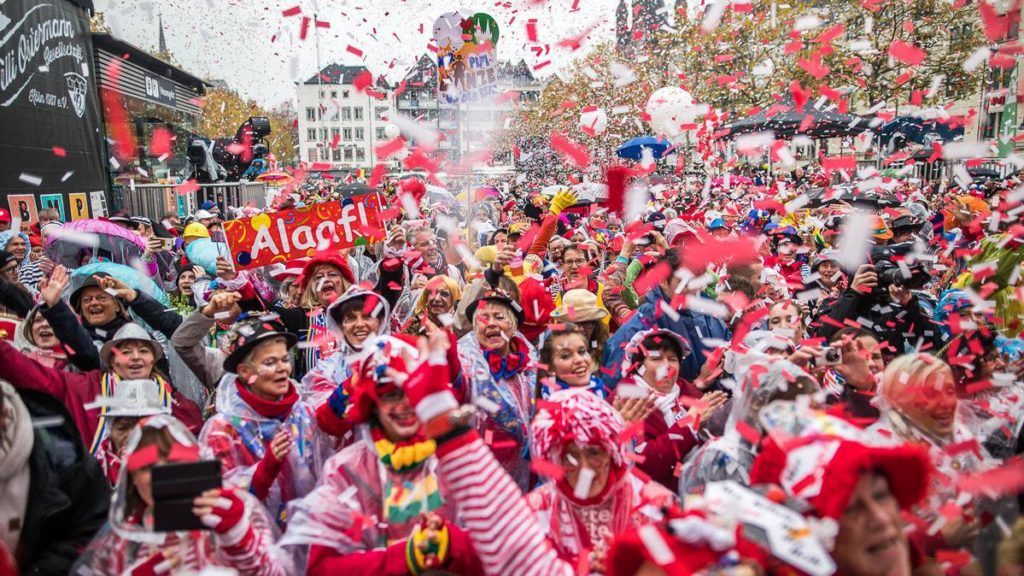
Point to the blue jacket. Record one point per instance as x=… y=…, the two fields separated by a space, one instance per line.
x=691 y=325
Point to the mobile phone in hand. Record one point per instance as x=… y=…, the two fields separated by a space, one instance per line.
x=175 y=486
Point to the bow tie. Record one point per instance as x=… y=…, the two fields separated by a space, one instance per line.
x=504 y=366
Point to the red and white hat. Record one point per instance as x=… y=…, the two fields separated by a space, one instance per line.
x=824 y=470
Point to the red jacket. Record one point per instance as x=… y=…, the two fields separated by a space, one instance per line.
x=76 y=389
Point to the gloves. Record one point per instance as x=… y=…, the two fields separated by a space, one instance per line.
x=156 y=565
x=228 y=518
x=430 y=394
x=338 y=401
x=265 y=474
x=563 y=199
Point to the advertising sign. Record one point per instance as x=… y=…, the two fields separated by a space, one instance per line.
x=466 y=57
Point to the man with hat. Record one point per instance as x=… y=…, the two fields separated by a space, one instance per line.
x=264 y=435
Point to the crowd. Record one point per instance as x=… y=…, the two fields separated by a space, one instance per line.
x=744 y=377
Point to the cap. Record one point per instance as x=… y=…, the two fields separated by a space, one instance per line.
x=5 y=215
x=130 y=331
x=204 y=215
x=495 y=295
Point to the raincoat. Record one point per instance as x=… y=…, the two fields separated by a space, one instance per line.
x=239 y=437
x=511 y=397
x=731 y=456
x=127 y=541
x=330 y=372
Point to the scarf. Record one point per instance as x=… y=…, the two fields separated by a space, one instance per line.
x=577 y=524
x=666 y=402
x=16 y=443
x=276 y=409
x=322 y=343
x=594 y=385
x=414 y=493
x=108 y=382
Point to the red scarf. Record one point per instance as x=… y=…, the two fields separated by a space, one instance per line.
x=276 y=409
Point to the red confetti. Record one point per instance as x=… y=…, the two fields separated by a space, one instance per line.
x=575 y=153
x=906 y=52
x=616 y=176
x=353 y=50
x=293 y=11
x=59 y=152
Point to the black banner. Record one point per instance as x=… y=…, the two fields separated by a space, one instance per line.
x=50 y=127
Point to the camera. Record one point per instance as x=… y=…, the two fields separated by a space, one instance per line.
x=229 y=159
x=891 y=274
x=828 y=357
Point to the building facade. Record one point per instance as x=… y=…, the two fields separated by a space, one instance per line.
x=339 y=124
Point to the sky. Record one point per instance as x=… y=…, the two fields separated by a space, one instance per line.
x=258 y=50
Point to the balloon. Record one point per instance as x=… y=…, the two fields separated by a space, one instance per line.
x=391 y=132
x=126 y=274
x=594 y=121
x=448 y=31
x=669 y=108
x=203 y=252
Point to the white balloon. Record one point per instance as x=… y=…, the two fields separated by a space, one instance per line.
x=669 y=108
x=448 y=31
x=595 y=120
x=391 y=131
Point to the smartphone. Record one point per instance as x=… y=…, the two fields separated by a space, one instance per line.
x=166 y=244
x=175 y=486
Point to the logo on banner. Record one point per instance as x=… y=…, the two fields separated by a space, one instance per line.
x=77 y=87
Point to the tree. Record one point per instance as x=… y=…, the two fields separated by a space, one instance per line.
x=224 y=110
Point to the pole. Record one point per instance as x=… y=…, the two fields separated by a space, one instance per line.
x=319 y=77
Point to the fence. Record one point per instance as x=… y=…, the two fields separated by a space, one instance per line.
x=155 y=200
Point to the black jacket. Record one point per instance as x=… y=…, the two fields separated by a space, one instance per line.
x=86 y=341
x=900 y=327
x=15 y=298
x=68 y=496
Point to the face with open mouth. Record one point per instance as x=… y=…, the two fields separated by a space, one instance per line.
x=268 y=369
x=133 y=359
x=871 y=540
x=570 y=359
x=328 y=283
x=358 y=326
x=931 y=403
x=494 y=324
x=185 y=282
x=97 y=307
x=42 y=333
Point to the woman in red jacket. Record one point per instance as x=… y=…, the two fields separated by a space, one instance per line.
x=131 y=355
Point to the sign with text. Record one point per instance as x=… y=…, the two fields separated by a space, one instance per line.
x=160 y=90
x=269 y=238
x=466 y=58
x=49 y=110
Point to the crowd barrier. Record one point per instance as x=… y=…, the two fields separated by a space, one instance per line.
x=156 y=200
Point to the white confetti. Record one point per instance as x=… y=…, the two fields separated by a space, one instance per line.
x=30 y=179
x=584 y=481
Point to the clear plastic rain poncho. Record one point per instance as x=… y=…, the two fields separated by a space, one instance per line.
x=239 y=437
x=362 y=503
x=763 y=379
x=129 y=540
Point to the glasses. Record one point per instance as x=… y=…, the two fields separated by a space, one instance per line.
x=100 y=299
x=574 y=262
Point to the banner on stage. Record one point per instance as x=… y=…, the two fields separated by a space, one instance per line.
x=282 y=236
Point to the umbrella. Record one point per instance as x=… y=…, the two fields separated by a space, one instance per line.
x=818 y=197
x=917 y=130
x=76 y=240
x=785 y=119
x=354 y=189
x=984 y=174
x=634 y=149
x=125 y=274
x=277 y=178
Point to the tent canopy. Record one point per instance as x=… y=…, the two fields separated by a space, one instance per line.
x=786 y=120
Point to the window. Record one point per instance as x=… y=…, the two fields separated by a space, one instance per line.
x=311 y=114
x=323 y=154
x=348 y=154
x=334 y=133
x=311 y=134
x=344 y=93
x=311 y=154
x=346 y=114
x=321 y=94
x=992 y=122
x=336 y=155
x=334 y=117
x=380 y=133
x=380 y=112
x=360 y=134
x=360 y=155
x=323 y=133
x=359 y=113
x=334 y=93
x=347 y=135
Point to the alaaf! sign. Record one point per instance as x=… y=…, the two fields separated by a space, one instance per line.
x=282 y=236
